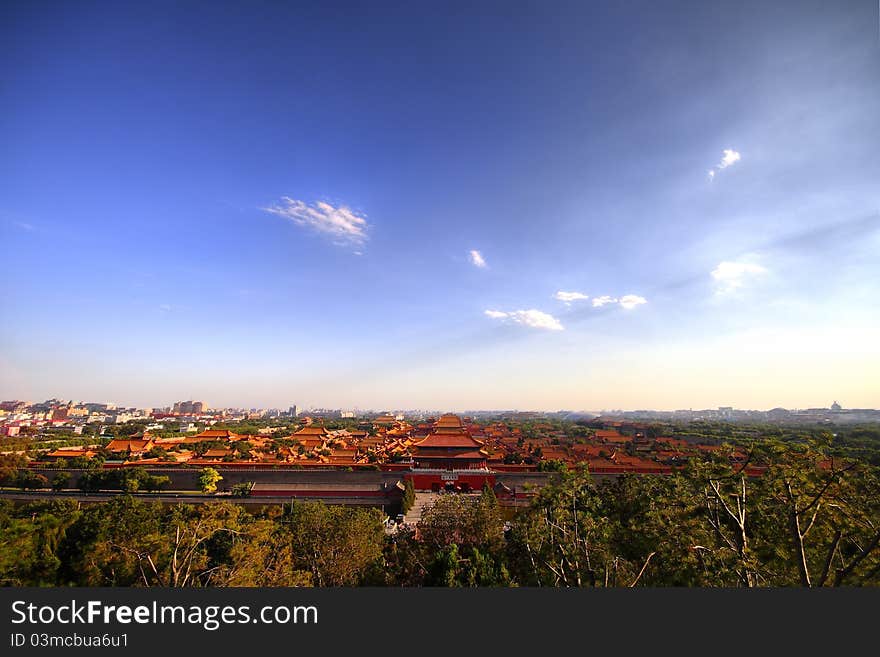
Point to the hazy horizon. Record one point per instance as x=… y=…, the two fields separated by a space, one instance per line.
x=498 y=206
x=434 y=409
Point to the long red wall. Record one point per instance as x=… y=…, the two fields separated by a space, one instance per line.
x=429 y=481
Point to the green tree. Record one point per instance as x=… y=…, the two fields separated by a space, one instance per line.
x=461 y=542
x=10 y=464
x=60 y=481
x=30 y=536
x=338 y=545
x=208 y=479
x=818 y=518
x=553 y=465
x=86 y=463
x=155 y=483
x=463 y=520
x=157 y=453
x=243 y=489
x=126 y=542
x=31 y=481
x=563 y=539
x=200 y=448
x=409 y=496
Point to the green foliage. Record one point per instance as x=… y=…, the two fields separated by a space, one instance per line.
x=30 y=538
x=155 y=483
x=129 y=480
x=208 y=479
x=10 y=464
x=553 y=465
x=460 y=543
x=409 y=496
x=60 y=481
x=336 y=544
x=807 y=518
x=243 y=489
x=85 y=463
x=27 y=480
x=157 y=453
x=200 y=448
x=242 y=449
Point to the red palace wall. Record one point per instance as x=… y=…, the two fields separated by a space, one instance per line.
x=438 y=480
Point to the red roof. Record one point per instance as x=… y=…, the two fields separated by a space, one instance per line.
x=476 y=454
x=71 y=453
x=449 y=440
x=448 y=421
x=590 y=450
x=119 y=445
x=312 y=431
x=213 y=434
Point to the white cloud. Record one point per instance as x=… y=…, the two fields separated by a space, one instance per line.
x=496 y=314
x=477 y=259
x=730 y=276
x=345 y=226
x=728 y=157
x=630 y=301
x=531 y=318
x=165 y=308
x=598 y=302
x=568 y=297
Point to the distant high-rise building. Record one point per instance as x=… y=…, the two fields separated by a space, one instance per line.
x=293 y=411
x=190 y=407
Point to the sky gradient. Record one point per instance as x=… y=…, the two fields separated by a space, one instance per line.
x=439 y=205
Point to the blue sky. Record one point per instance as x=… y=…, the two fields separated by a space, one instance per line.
x=268 y=203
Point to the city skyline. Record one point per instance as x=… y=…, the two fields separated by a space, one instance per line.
x=585 y=208
x=201 y=407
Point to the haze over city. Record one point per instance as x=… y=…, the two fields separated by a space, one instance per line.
x=403 y=207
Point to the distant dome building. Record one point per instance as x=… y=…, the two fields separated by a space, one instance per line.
x=836 y=407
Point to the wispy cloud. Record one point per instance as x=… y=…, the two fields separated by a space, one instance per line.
x=568 y=297
x=598 y=302
x=730 y=276
x=630 y=301
x=477 y=259
x=25 y=226
x=728 y=158
x=531 y=318
x=165 y=308
x=496 y=314
x=345 y=226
